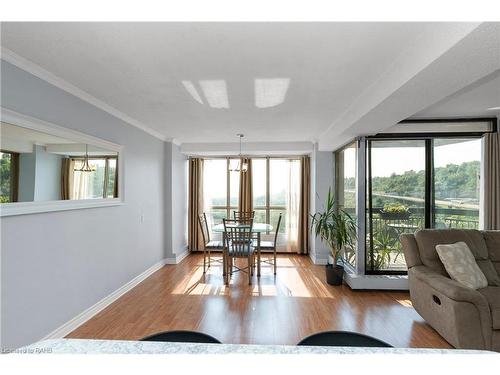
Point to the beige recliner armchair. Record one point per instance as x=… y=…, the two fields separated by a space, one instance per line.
x=466 y=318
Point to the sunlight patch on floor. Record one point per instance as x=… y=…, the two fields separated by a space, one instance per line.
x=291 y=280
x=405 y=302
x=264 y=290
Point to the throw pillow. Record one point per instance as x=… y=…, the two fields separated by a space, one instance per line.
x=461 y=265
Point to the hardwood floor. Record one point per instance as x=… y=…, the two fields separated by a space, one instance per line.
x=280 y=310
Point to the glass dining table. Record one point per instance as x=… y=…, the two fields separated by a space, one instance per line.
x=257 y=228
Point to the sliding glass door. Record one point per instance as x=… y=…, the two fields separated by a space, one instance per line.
x=414 y=184
x=456 y=175
x=395 y=200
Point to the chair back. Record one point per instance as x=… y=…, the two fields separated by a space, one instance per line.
x=243 y=215
x=238 y=237
x=277 y=230
x=202 y=219
x=182 y=336
x=343 y=338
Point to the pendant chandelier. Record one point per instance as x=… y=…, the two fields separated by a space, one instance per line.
x=85 y=166
x=241 y=166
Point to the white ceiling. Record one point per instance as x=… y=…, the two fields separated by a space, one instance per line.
x=481 y=99
x=337 y=72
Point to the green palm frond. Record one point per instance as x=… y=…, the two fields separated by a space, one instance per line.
x=335 y=227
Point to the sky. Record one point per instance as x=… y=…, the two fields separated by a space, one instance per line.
x=401 y=159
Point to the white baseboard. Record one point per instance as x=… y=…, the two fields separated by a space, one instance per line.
x=81 y=318
x=317 y=260
x=377 y=282
x=177 y=258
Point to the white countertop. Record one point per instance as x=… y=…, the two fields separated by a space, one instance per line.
x=80 y=346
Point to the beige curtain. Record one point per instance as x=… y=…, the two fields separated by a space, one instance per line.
x=292 y=220
x=246 y=194
x=67 y=175
x=305 y=192
x=195 y=237
x=492 y=181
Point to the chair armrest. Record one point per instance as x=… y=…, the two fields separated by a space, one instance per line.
x=450 y=288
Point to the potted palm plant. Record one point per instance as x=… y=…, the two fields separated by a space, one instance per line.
x=337 y=229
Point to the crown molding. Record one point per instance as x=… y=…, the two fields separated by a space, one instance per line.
x=38 y=71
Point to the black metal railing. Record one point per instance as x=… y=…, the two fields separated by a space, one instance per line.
x=384 y=251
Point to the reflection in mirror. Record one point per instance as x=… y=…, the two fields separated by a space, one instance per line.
x=37 y=166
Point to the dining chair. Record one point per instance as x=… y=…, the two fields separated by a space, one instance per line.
x=271 y=245
x=209 y=245
x=239 y=243
x=243 y=215
x=343 y=338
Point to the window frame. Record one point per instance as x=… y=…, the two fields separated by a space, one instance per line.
x=429 y=204
x=268 y=207
x=355 y=144
x=106 y=159
x=14 y=175
x=228 y=207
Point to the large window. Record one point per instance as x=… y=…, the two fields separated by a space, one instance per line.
x=412 y=184
x=396 y=199
x=100 y=183
x=276 y=190
x=220 y=190
x=345 y=175
x=9 y=166
x=457 y=164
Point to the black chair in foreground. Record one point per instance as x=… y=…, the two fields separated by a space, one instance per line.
x=182 y=336
x=343 y=338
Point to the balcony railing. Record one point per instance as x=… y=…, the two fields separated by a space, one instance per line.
x=384 y=251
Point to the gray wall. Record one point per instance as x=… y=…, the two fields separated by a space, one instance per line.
x=55 y=265
x=176 y=181
x=48 y=175
x=322 y=171
x=39 y=176
x=179 y=200
x=27 y=175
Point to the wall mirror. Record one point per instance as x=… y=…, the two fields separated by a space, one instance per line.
x=44 y=167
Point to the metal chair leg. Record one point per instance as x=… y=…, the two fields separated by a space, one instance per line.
x=249 y=268
x=224 y=268
x=204 y=260
x=275 y=260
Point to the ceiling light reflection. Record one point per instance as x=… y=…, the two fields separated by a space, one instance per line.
x=215 y=92
x=270 y=92
x=191 y=89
